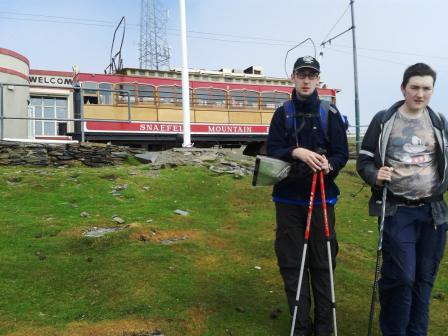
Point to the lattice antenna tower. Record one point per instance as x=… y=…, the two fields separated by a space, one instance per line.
x=154 y=50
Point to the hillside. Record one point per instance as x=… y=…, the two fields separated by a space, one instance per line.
x=208 y=269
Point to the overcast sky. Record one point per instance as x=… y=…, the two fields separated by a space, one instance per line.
x=390 y=34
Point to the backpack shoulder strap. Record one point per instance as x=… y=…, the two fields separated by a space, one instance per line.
x=324 y=107
x=290 y=119
x=289 y=114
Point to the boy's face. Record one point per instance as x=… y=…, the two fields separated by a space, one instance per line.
x=418 y=92
x=305 y=81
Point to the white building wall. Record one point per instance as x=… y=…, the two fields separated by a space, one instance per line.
x=14 y=69
x=10 y=62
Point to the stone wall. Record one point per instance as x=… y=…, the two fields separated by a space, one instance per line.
x=90 y=154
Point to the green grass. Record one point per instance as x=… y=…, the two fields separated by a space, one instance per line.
x=55 y=281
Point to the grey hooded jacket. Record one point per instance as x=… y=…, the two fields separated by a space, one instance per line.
x=373 y=152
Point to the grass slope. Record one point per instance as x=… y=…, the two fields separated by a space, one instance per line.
x=55 y=281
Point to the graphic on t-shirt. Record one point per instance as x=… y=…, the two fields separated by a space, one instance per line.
x=411 y=151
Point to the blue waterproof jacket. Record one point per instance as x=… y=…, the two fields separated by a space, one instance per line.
x=282 y=140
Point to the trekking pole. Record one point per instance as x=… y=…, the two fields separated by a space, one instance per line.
x=305 y=248
x=378 y=259
x=327 y=236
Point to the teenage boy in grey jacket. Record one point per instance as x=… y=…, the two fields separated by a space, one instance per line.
x=406 y=147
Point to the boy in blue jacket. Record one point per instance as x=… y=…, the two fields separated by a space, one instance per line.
x=302 y=141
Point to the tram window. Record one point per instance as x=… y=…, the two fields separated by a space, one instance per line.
x=268 y=100
x=123 y=96
x=178 y=95
x=202 y=97
x=218 y=97
x=105 y=96
x=171 y=94
x=210 y=97
x=166 y=94
x=252 y=99
x=146 y=94
x=272 y=100
x=90 y=100
x=244 y=99
x=327 y=98
x=89 y=88
x=237 y=98
x=90 y=92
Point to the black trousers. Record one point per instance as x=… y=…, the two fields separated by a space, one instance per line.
x=291 y=224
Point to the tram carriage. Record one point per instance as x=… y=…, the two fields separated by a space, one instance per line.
x=227 y=108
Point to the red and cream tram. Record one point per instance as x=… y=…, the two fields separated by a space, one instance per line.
x=227 y=108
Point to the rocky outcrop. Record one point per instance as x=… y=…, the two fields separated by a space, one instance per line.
x=217 y=160
x=90 y=154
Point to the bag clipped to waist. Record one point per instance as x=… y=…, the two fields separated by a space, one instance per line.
x=269 y=171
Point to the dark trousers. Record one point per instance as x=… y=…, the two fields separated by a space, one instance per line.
x=412 y=250
x=291 y=223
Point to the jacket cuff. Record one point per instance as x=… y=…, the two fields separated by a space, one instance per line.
x=290 y=153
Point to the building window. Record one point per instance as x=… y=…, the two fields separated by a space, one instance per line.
x=49 y=108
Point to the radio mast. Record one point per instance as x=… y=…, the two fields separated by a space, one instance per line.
x=154 y=50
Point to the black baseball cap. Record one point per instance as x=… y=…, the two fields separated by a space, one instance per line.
x=306 y=62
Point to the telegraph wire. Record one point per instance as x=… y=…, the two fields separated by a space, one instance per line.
x=172 y=34
x=63 y=18
x=340 y=18
x=284 y=43
x=233 y=41
x=62 y=22
x=385 y=51
x=113 y=24
x=369 y=57
x=237 y=36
